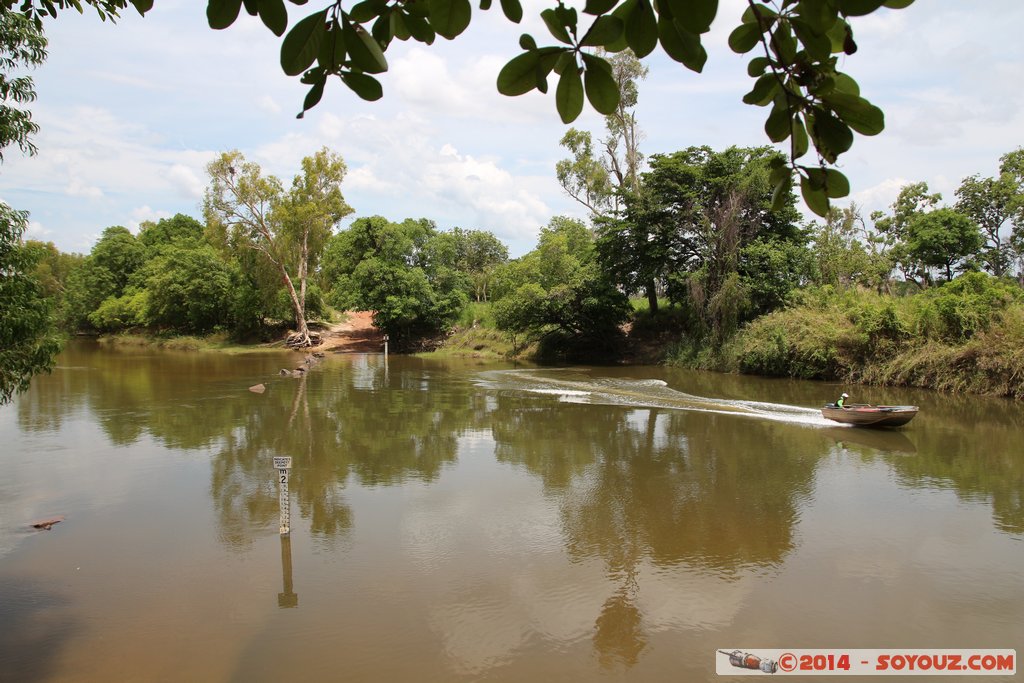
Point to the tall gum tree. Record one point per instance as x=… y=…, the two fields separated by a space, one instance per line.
x=288 y=228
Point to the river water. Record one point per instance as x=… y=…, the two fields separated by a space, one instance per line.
x=455 y=521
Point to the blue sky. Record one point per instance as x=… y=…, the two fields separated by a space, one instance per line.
x=131 y=113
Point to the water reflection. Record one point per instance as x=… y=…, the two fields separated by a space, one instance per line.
x=490 y=525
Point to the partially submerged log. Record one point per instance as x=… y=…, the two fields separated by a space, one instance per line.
x=47 y=524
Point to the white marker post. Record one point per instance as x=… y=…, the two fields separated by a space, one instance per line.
x=282 y=465
x=385 y=346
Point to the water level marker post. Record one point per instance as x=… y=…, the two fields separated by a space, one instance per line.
x=282 y=465
x=385 y=346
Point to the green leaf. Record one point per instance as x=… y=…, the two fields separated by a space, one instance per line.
x=513 y=10
x=363 y=12
x=778 y=125
x=818 y=46
x=252 y=7
x=567 y=17
x=600 y=85
x=783 y=43
x=800 y=142
x=419 y=9
x=844 y=84
x=302 y=44
x=857 y=112
x=681 y=45
x=142 y=6
x=450 y=17
x=548 y=59
x=364 y=51
x=598 y=7
x=485 y=5
x=642 y=29
x=858 y=8
x=820 y=16
x=222 y=13
x=383 y=30
x=621 y=13
x=831 y=136
x=364 y=85
x=898 y=4
x=782 y=191
x=816 y=199
x=313 y=97
x=764 y=91
x=398 y=27
x=555 y=27
x=694 y=16
x=527 y=42
x=274 y=16
x=836 y=184
x=569 y=94
x=332 y=49
x=767 y=14
x=757 y=66
x=519 y=76
x=744 y=38
x=420 y=28
x=605 y=30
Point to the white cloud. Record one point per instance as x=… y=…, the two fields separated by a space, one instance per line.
x=37 y=231
x=269 y=104
x=76 y=187
x=879 y=197
x=142 y=214
x=186 y=180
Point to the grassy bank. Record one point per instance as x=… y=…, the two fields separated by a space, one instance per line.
x=476 y=336
x=219 y=342
x=966 y=336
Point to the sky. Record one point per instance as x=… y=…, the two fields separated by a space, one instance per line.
x=131 y=113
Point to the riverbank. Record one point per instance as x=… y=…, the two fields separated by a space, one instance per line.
x=965 y=337
x=353 y=333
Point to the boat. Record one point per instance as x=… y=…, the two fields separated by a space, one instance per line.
x=862 y=415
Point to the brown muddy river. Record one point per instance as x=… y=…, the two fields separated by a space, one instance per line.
x=453 y=521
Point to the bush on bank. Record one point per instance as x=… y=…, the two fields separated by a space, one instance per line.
x=965 y=336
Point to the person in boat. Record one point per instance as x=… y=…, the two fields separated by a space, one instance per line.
x=842 y=400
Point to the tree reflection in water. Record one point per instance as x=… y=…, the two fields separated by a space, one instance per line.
x=652 y=488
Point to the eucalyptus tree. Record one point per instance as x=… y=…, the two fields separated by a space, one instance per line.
x=287 y=228
x=600 y=181
x=797 y=47
x=846 y=252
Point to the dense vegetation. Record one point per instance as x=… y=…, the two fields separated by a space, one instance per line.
x=920 y=295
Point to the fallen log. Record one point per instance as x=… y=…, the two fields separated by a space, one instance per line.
x=47 y=524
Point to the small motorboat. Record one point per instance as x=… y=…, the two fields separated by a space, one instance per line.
x=870 y=416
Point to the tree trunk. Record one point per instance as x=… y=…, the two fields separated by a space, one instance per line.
x=300 y=310
x=652 y=296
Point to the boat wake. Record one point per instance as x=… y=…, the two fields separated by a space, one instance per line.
x=574 y=386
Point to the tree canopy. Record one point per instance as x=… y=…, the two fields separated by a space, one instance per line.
x=796 y=47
